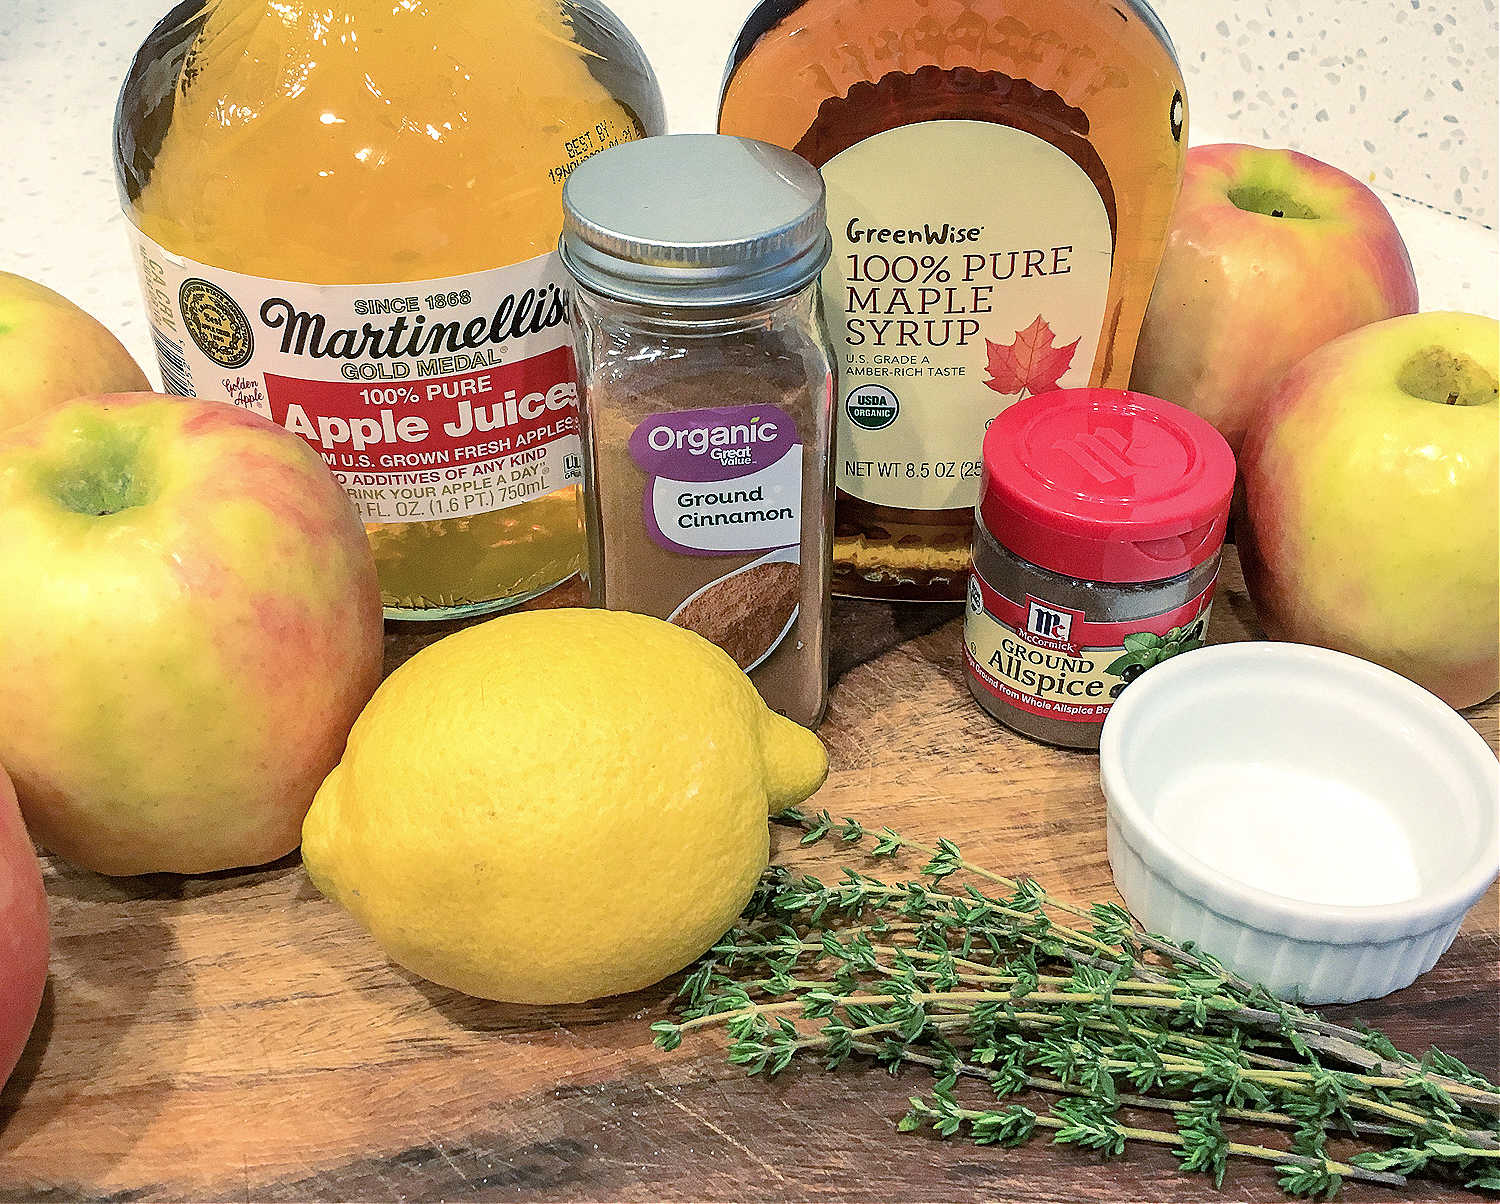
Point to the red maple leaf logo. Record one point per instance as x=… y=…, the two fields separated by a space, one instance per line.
x=1030 y=364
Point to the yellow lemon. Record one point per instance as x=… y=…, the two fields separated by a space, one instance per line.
x=557 y=805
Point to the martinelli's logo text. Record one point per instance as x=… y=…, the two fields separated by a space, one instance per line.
x=454 y=344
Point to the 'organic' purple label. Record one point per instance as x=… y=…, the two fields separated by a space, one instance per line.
x=718 y=444
x=721 y=482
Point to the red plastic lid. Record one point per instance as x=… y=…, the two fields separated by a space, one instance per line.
x=1106 y=485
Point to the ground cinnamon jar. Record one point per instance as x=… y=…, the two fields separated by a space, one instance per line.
x=707 y=398
x=1096 y=551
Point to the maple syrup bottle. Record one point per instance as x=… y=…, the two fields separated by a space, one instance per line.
x=1001 y=174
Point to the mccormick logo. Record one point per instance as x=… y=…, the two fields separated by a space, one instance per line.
x=1050 y=626
x=1106 y=455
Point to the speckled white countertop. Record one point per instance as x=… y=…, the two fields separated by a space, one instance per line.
x=1399 y=92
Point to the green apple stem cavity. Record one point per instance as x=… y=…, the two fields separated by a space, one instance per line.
x=103 y=470
x=1447 y=378
x=1270 y=201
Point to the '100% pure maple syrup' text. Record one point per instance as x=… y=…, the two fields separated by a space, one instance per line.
x=933 y=300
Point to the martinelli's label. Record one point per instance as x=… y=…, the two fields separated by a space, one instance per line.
x=1050 y=661
x=427 y=399
x=721 y=481
x=971 y=269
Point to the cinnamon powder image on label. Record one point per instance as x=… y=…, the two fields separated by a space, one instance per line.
x=746 y=613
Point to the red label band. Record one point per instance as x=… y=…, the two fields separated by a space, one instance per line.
x=445 y=421
x=1050 y=626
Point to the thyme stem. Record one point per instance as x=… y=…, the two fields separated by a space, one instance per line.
x=1012 y=992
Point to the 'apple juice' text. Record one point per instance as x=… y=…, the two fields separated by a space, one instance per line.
x=428 y=400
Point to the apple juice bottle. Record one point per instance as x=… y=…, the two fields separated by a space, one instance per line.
x=345 y=217
x=1001 y=175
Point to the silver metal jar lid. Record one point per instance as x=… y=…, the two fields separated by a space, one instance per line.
x=695 y=220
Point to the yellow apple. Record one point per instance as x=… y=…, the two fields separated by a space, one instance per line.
x=51 y=352
x=189 y=627
x=1271 y=254
x=1371 y=511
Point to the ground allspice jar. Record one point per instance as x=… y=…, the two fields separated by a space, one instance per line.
x=1100 y=528
x=708 y=398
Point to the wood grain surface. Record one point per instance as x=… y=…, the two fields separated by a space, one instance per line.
x=237 y=1037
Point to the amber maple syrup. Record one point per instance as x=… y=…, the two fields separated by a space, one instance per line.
x=1001 y=175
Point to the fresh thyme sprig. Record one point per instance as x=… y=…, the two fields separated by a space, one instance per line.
x=1024 y=994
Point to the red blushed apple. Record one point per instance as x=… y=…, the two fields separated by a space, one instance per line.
x=1369 y=520
x=189 y=627
x=23 y=932
x=51 y=352
x=1271 y=255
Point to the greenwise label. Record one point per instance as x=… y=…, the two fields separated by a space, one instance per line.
x=971 y=269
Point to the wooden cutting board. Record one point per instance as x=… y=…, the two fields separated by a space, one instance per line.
x=238 y=1037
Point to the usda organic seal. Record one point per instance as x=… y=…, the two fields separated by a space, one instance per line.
x=872 y=407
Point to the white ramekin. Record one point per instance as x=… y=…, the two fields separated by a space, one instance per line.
x=1292 y=706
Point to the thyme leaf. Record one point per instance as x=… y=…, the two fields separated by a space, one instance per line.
x=1039 y=1018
